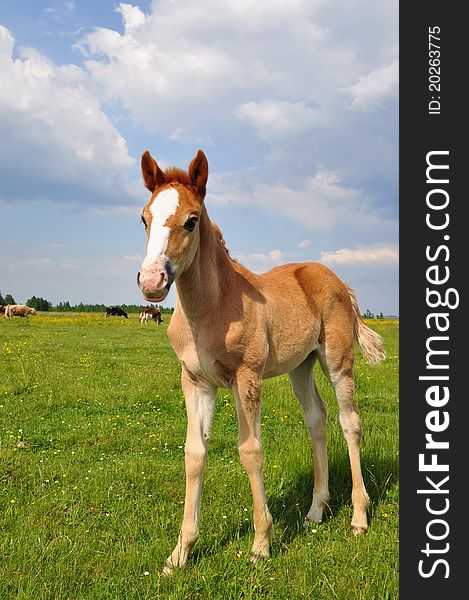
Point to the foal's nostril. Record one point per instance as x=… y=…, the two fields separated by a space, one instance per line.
x=138 y=278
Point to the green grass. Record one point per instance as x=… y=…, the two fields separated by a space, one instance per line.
x=92 y=427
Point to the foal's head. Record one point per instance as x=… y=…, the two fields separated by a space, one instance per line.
x=171 y=223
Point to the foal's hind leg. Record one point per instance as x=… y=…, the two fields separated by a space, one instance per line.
x=315 y=418
x=337 y=363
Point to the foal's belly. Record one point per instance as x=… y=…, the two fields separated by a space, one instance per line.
x=277 y=366
x=288 y=351
x=269 y=352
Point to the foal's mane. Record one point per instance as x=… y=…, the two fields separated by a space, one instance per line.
x=177 y=175
x=221 y=239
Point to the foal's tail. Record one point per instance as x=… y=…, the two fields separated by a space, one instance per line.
x=370 y=342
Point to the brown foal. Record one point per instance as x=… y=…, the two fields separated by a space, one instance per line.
x=229 y=330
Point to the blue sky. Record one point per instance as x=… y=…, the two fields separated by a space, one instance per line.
x=295 y=104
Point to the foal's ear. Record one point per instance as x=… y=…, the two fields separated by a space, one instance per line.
x=198 y=172
x=152 y=174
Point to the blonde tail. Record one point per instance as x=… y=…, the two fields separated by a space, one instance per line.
x=370 y=342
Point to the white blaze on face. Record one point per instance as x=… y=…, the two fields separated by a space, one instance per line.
x=163 y=206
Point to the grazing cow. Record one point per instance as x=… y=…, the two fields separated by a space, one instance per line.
x=229 y=330
x=115 y=311
x=150 y=312
x=18 y=310
x=143 y=314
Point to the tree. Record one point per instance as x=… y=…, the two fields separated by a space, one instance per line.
x=39 y=303
x=63 y=306
x=2 y=299
x=32 y=302
x=9 y=299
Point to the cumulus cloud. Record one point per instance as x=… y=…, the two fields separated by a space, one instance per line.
x=385 y=254
x=373 y=89
x=276 y=65
x=53 y=133
x=268 y=86
x=273 y=119
x=321 y=203
x=262 y=261
x=134 y=257
x=132 y=15
x=60 y=11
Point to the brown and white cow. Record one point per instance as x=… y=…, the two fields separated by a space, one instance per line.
x=150 y=312
x=18 y=310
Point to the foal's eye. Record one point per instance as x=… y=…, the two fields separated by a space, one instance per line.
x=189 y=225
x=143 y=221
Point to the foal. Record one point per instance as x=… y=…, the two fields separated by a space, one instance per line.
x=228 y=330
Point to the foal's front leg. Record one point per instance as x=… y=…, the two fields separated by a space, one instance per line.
x=247 y=391
x=200 y=402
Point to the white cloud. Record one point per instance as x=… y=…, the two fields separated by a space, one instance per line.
x=277 y=65
x=263 y=85
x=54 y=133
x=321 y=203
x=304 y=243
x=134 y=258
x=132 y=15
x=385 y=254
x=61 y=10
x=262 y=261
x=36 y=262
x=327 y=184
x=6 y=44
x=372 y=90
x=279 y=118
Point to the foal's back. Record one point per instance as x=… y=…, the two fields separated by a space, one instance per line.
x=308 y=284
x=303 y=301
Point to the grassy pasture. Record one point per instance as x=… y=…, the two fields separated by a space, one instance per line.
x=92 y=427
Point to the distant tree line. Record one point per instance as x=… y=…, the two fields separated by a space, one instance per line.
x=67 y=307
x=369 y=315
x=128 y=308
x=8 y=299
x=33 y=302
x=39 y=303
x=42 y=304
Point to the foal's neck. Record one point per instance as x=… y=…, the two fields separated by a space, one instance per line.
x=202 y=285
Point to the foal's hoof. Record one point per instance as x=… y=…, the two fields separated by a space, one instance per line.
x=358 y=530
x=167 y=570
x=257 y=558
x=308 y=522
x=315 y=513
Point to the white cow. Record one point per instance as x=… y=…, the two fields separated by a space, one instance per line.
x=18 y=310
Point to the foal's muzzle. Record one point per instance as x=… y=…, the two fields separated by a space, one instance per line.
x=155 y=282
